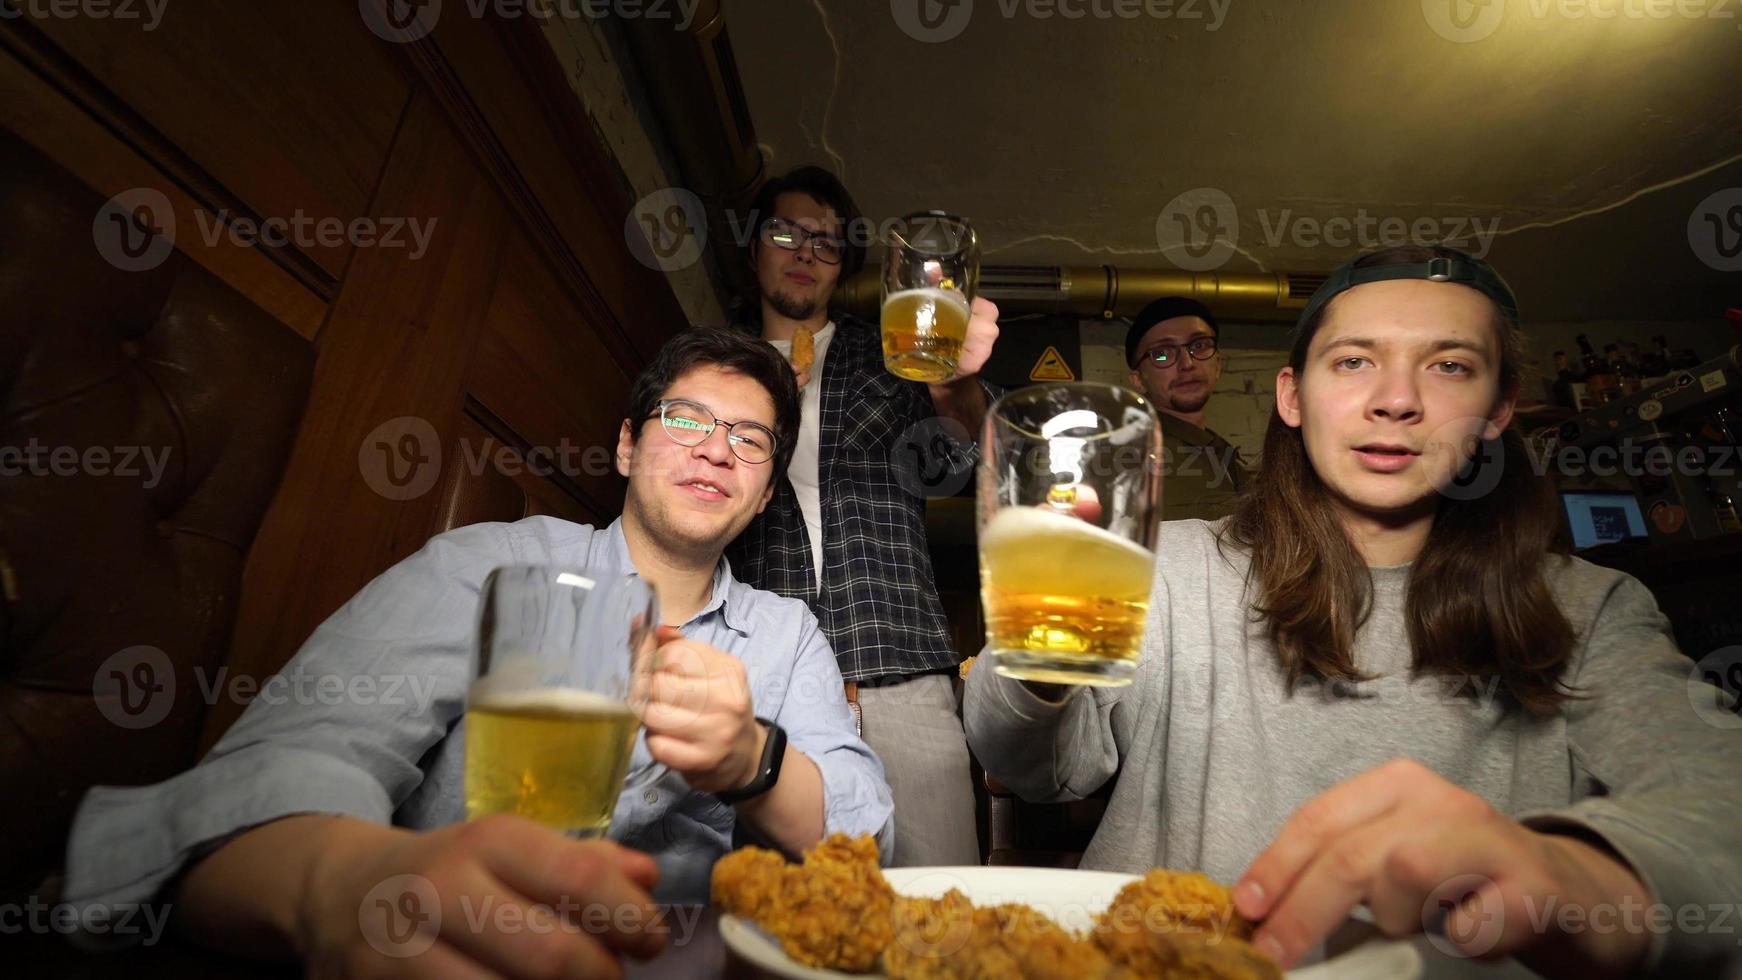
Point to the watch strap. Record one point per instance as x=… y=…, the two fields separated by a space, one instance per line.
x=767 y=771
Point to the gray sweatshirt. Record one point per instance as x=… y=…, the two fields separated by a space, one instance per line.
x=1216 y=754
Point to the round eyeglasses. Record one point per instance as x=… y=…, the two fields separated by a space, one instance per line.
x=785 y=234
x=1165 y=355
x=692 y=423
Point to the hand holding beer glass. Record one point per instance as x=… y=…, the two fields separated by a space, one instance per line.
x=929 y=276
x=563 y=666
x=1069 y=495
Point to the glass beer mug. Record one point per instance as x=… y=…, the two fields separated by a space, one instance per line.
x=1069 y=495
x=929 y=276
x=564 y=662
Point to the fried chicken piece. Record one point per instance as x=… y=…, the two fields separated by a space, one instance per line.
x=833 y=912
x=837 y=911
x=948 y=939
x=1046 y=950
x=747 y=882
x=857 y=855
x=1189 y=956
x=1224 y=959
x=927 y=932
x=804 y=349
x=1179 y=925
x=1184 y=902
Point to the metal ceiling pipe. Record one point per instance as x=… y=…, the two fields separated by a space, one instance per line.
x=691 y=77
x=1108 y=291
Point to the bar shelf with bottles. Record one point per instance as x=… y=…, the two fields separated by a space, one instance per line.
x=1670 y=424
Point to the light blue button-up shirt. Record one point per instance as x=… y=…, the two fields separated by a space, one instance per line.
x=369 y=717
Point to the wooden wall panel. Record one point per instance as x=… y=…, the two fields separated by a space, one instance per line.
x=392 y=357
x=47 y=119
x=548 y=377
x=488 y=477
x=572 y=200
x=520 y=327
x=298 y=116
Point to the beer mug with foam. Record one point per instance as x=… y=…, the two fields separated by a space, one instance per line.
x=1069 y=494
x=930 y=272
x=564 y=659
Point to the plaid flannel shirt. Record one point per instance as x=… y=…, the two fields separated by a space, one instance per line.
x=881 y=450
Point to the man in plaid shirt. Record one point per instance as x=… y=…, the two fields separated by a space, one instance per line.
x=846 y=528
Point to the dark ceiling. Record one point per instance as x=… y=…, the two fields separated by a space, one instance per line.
x=1597 y=161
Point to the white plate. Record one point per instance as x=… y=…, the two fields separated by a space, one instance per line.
x=1072 y=899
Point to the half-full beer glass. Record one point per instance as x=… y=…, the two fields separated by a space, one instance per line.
x=563 y=663
x=929 y=276
x=1069 y=494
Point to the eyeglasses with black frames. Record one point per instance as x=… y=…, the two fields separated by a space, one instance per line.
x=1166 y=355
x=784 y=234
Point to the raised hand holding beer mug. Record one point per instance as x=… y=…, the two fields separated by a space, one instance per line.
x=1069 y=494
x=563 y=670
x=930 y=272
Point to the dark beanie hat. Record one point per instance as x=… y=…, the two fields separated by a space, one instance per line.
x=1165 y=308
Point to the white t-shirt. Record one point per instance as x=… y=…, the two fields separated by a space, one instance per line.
x=802 y=471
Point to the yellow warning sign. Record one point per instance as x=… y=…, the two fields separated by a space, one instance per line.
x=1051 y=367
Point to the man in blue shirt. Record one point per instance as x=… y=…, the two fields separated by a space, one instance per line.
x=308 y=814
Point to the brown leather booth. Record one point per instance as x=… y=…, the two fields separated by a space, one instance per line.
x=145 y=420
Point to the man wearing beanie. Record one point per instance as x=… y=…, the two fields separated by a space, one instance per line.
x=1171 y=350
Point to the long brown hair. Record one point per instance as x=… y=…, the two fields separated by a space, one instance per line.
x=1478 y=603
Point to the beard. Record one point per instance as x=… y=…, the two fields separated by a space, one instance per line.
x=1190 y=403
x=791 y=307
x=675 y=536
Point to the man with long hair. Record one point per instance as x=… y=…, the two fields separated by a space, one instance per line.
x=845 y=531
x=1374 y=683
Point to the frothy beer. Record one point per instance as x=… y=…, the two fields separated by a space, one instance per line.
x=923 y=330
x=1065 y=600
x=554 y=755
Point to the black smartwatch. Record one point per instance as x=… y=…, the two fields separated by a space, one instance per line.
x=767 y=771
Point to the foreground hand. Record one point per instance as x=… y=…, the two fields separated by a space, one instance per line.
x=699 y=718
x=499 y=896
x=1413 y=846
x=982 y=334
